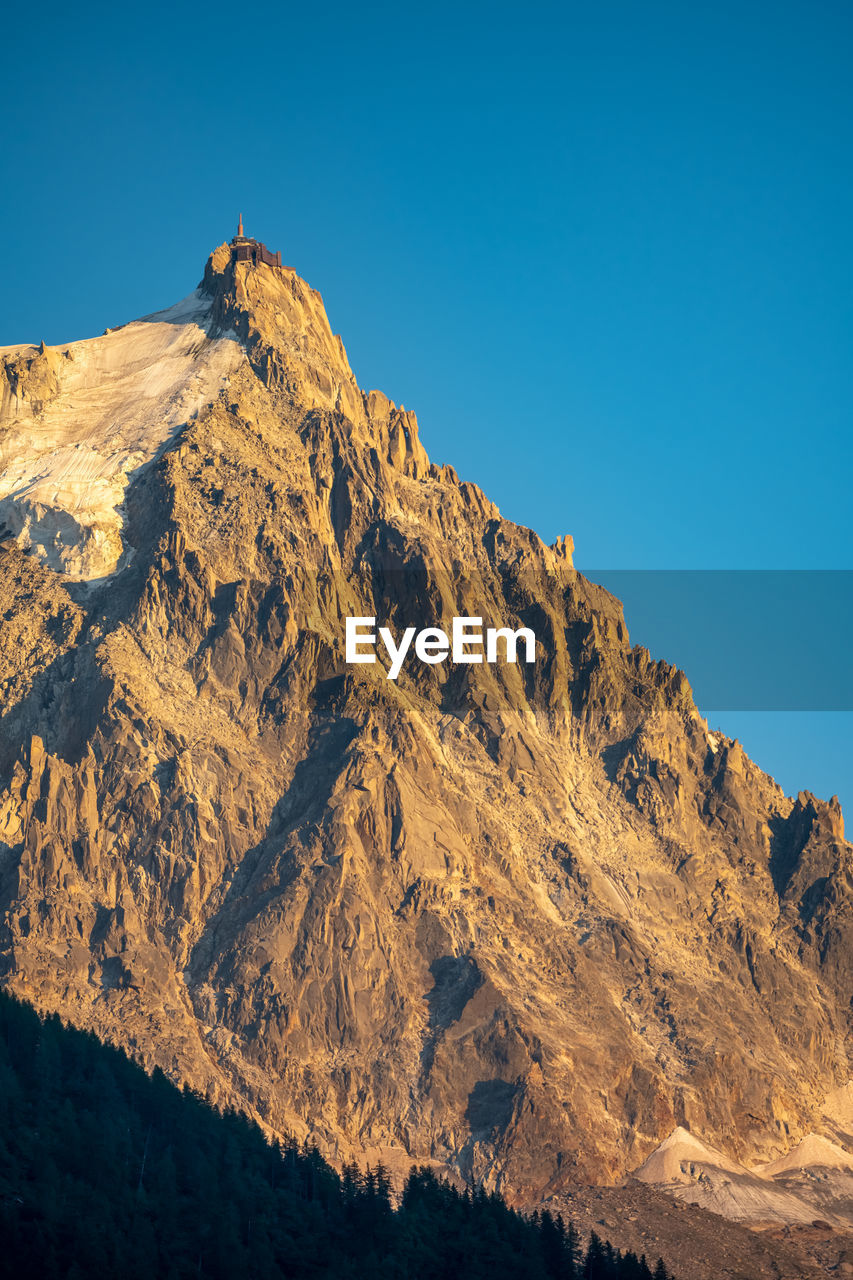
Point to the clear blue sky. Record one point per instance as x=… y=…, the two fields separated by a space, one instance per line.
x=603 y=250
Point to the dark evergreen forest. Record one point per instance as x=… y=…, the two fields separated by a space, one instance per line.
x=111 y=1174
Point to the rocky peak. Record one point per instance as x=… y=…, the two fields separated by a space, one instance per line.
x=282 y=322
x=516 y=921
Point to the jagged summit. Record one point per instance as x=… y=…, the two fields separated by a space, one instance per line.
x=79 y=422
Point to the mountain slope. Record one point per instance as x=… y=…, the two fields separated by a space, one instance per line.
x=515 y=921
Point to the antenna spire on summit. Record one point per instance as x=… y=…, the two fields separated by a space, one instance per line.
x=244 y=249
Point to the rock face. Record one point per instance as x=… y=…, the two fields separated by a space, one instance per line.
x=520 y=921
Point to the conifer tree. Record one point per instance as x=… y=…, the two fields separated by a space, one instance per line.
x=106 y=1171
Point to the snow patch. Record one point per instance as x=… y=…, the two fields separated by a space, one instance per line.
x=672 y=1160
x=688 y=1169
x=122 y=398
x=812 y=1152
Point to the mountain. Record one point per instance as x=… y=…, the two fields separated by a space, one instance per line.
x=515 y=921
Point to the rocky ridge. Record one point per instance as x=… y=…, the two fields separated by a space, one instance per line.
x=517 y=922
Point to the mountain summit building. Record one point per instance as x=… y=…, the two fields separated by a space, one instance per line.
x=244 y=249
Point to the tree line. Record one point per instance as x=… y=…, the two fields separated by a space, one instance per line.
x=106 y=1172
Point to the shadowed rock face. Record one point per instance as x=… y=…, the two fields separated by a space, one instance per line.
x=518 y=921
